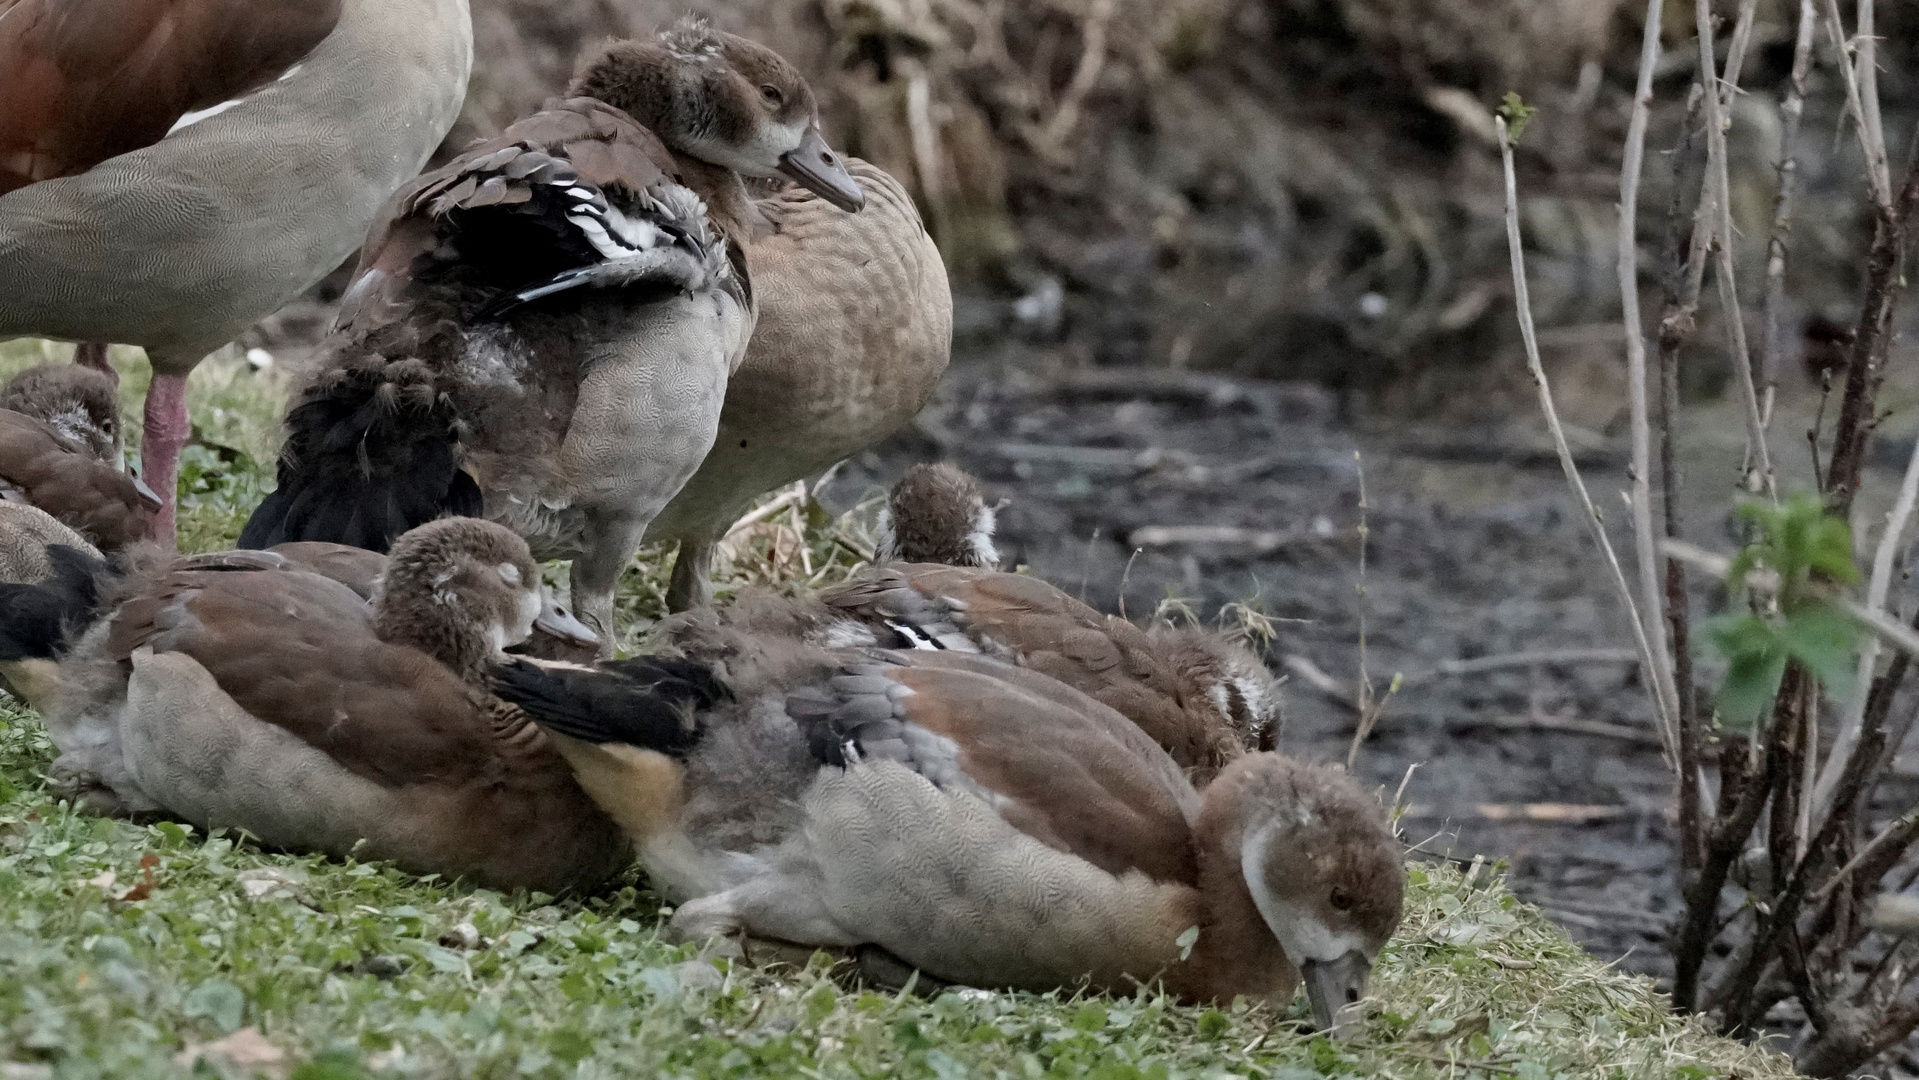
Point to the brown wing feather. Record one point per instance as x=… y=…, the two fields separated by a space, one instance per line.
x=581 y=137
x=1066 y=770
x=84 y=80
x=71 y=484
x=482 y=791
x=298 y=651
x=1049 y=631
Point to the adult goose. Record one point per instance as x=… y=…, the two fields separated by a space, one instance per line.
x=230 y=691
x=172 y=171
x=855 y=330
x=59 y=451
x=543 y=331
x=980 y=821
x=1203 y=698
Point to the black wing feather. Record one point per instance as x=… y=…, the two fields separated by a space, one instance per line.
x=649 y=702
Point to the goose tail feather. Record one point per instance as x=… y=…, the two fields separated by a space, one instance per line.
x=649 y=702
x=41 y=621
x=373 y=449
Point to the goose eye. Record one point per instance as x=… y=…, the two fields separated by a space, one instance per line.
x=772 y=94
x=1341 y=900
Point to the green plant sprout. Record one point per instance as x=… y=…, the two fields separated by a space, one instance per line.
x=1790 y=574
x=1517 y=113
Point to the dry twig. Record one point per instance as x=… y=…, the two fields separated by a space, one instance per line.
x=1719 y=192
x=1653 y=625
x=1523 y=300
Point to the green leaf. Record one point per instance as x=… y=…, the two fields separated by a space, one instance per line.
x=1213 y=1023
x=1186 y=940
x=1756 y=662
x=1826 y=640
x=1518 y=114
x=332 y=1065
x=217 y=1001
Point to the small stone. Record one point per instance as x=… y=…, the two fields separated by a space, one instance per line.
x=463 y=936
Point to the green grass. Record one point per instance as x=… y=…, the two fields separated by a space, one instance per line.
x=331 y=971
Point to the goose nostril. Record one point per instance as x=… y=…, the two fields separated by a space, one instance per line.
x=1352 y=995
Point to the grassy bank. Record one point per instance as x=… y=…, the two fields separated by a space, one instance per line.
x=136 y=951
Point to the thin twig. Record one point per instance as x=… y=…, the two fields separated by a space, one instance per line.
x=1858 y=65
x=1877 y=587
x=1542 y=658
x=1523 y=300
x=1792 y=108
x=1759 y=476
x=1651 y=590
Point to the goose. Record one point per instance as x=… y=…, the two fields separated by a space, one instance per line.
x=855 y=330
x=555 y=315
x=231 y=691
x=59 y=451
x=172 y=171
x=1203 y=698
x=984 y=823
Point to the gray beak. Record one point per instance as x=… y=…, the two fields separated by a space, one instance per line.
x=147 y=494
x=814 y=166
x=556 y=621
x=1334 y=986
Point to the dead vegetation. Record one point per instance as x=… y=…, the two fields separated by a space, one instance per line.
x=1781 y=866
x=1291 y=188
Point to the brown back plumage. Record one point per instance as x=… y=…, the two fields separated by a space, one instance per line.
x=482 y=790
x=39 y=465
x=1105 y=657
x=85 y=80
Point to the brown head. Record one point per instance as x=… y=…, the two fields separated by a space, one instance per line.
x=78 y=402
x=462 y=590
x=1323 y=870
x=936 y=514
x=1228 y=678
x=724 y=100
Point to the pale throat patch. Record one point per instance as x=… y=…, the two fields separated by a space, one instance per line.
x=1302 y=936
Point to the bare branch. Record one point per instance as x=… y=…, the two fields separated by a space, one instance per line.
x=1758 y=457
x=1645 y=545
x=1792 y=110
x=1668 y=730
x=1876 y=589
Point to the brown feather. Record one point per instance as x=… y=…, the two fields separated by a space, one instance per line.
x=1107 y=658
x=83 y=492
x=85 y=80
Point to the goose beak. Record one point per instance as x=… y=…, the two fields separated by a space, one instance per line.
x=1334 y=987
x=814 y=166
x=555 y=621
x=147 y=494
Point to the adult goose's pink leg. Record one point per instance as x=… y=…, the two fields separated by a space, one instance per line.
x=93 y=354
x=167 y=428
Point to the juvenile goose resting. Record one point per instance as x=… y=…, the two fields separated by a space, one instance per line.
x=543 y=330
x=172 y=171
x=983 y=822
x=230 y=692
x=59 y=451
x=1204 y=699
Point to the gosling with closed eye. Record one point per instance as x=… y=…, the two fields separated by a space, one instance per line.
x=237 y=691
